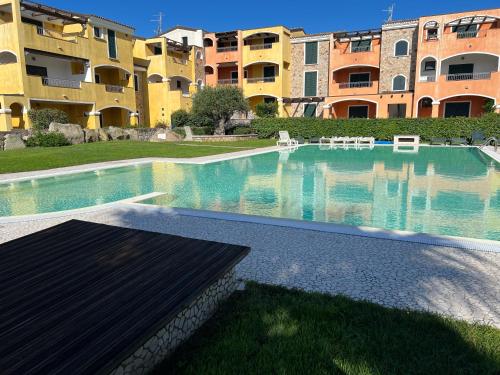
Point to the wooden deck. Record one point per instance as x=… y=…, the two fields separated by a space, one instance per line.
x=80 y=297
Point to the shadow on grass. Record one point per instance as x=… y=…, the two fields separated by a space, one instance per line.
x=271 y=330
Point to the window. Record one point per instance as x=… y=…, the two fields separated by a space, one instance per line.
x=310 y=83
x=399 y=83
x=359 y=80
x=361 y=45
x=97 y=78
x=429 y=66
x=207 y=42
x=457 y=109
x=311 y=52
x=33 y=70
x=179 y=84
x=98 y=32
x=397 y=110
x=401 y=48
x=234 y=76
x=432 y=34
x=269 y=73
x=209 y=70
x=426 y=103
x=310 y=110
x=461 y=69
x=157 y=50
x=245 y=73
x=136 y=82
x=185 y=40
x=358 y=111
x=112 y=52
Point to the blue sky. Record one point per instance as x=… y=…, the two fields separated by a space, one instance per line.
x=321 y=15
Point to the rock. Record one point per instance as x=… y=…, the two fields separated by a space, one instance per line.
x=13 y=142
x=165 y=135
x=133 y=134
x=103 y=135
x=115 y=133
x=91 y=135
x=72 y=132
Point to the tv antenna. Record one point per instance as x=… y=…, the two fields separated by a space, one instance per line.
x=159 y=21
x=390 y=12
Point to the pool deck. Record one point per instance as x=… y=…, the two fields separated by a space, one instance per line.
x=464 y=284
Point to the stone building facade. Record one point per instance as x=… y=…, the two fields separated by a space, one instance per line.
x=392 y=65
x=299 y=67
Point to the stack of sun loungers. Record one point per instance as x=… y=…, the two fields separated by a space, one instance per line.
x=348 y=141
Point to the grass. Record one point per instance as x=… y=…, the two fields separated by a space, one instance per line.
x=32 y=159
x=271 y=330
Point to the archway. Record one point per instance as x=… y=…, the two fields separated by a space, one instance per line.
x=7 y=57
x=354 y=108
x=115 y=116
x=471 y=105
x=424 y=109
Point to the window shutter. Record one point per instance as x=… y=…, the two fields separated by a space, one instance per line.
x=112 y=44
x=311 y=52
x=310 y=83
x=310 y=110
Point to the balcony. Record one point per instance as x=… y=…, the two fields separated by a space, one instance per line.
x=261 y=79
x=64 y=83
x=471 y=34
x=227 y=49
x=353 y=85
x=262 y=52
x=359 y=49
x=468 y=76
x=256 y=47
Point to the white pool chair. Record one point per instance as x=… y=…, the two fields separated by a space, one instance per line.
x=338 y=140
x=351 y=141
x=285 y=139
x=368 y=141
x=324 y=140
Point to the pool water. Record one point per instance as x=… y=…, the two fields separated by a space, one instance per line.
x=448 y=191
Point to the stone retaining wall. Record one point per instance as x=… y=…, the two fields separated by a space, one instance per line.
x=223 y=138
x=164 y=342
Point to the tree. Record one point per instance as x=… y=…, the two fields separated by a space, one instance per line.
x=42 y=118
x=180 y=118
x=218 y=105
x=267 y=110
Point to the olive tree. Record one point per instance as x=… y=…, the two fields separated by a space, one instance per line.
x=217 y=104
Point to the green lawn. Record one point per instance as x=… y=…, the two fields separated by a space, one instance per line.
x=270 y=330
x=32 y=159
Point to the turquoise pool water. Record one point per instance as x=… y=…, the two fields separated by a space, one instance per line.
x=449 y=191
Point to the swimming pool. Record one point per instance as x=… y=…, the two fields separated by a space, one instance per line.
x=439 y=190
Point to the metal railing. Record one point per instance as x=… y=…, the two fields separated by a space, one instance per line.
x=491 y=141
x=468 y=76
x=361 y=49
x=232 y=81
x=114 y=88
x=469 y=34
x=254 y=47
x=353 y=85
x=227 y=49
x=428 y=79
x=57 y=82
x=261 y=79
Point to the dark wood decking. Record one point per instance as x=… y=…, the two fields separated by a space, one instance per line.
x=79 y=298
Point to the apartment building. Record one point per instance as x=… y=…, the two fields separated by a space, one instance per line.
x=99 y=73
x=50 y=58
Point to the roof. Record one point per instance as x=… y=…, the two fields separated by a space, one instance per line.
x=181 y=27
x=80 y=298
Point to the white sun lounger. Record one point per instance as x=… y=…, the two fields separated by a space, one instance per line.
x=285 y=139
x=352 y=141
x=366 y=141
x=324 y=140
x=338 y=140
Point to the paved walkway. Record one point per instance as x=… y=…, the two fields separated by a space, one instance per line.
x=461 y=283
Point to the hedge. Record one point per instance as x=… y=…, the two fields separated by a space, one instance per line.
x=381 y=129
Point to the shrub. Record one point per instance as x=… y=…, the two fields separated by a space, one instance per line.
x=53 y=139
x=243 y=130
x=41 y=118
x=161 y=125
x=266 y=110
x=180 y=118
x=381 y=129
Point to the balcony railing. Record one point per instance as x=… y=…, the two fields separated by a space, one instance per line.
x=361 y=49
x=228 y=81
x=114 y=88
x=254 y=47
x=428 y=79
x=468 y=76
x=354 y=85
x=261 y=79
x=57 y=82
x=471 y=34
x=227 y=49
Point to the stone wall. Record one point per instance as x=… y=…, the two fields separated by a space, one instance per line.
x=199 y=67
x=140 y=97
x=298 y=68
x=161 y=345
x=391 y=66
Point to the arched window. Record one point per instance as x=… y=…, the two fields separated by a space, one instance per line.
x=399 y=83
x=207 y=42
x=199 y=56
x=401 y=48
x=209 y=70
x=7 y=57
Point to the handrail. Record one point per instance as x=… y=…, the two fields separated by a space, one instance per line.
x=227 y=49
x=58 y=82
x=352 y=85
x=361 y=49
x=261 y=79
x=468 y=76
x=254 y=47
x=471 y=34
x=489 y=141
x=232 y=81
